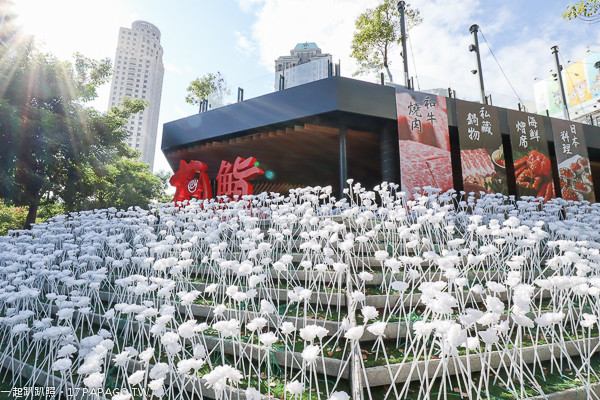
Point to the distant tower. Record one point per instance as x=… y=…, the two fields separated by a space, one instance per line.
x=138 y=74
x=305 y=64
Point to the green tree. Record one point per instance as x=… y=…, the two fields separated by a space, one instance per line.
x=378 y=33
x=588 y=11
x=126 y=182
x=211 y=87
x=54 y=148
x=11 y=217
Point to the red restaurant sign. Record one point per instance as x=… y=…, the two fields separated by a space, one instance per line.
x=191 y=180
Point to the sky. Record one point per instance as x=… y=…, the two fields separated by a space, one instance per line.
x=242 y=38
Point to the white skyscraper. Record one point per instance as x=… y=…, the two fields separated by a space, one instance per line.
x=138 y=74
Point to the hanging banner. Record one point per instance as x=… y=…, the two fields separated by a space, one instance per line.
x=424 y=141
x=575 y=80
x=573 y=163
x=533 y=169
x=481 y=151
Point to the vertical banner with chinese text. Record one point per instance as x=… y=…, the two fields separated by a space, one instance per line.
x=573 y=163
x=424 y=141
x=481 y=150
x=533 y=169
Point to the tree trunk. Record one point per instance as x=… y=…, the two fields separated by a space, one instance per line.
x=385 y=64
x=32 y=213
x=389 y=74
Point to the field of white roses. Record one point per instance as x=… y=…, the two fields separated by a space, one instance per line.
x=307 y=297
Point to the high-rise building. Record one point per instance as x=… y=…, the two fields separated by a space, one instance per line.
x=305 y=64
x=138 y=74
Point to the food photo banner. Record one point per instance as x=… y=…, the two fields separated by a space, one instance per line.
x=481 y=150
x=424 y=141
x=573 y=162
x=533 y=169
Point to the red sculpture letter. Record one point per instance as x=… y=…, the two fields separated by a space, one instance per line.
x=186 y=185
x=231 y=180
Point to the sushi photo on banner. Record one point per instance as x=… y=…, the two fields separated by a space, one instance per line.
x=481 y=150
x=574 y=171
x=533 y=169
x=424 y=141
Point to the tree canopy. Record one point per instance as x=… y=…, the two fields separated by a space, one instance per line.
x=54 y=147
x=588 y=11
x=211 y=87
x=378 y=33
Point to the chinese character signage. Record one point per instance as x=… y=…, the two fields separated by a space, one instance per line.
x=481 y=151
x=424 y=141
x=573 y=163
x=231 y=180
x=191 y=179
x=533 y=169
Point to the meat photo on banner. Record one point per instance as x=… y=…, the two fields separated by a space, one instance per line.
x=533 y=169
x=424 y=141
x=574 y=172
x=481 y=151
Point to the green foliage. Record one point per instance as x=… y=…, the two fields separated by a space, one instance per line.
x=210 y=86
x=57 y=154
x=588 y=10
x=124 y=183
x=11 y=217
x=164 y=177
x=378 y=33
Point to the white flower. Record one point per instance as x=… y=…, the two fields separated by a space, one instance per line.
x=227 y=328
x=210 y=289
x=185 y=366
x=218 y=377
x=287 y=328
x=146 y=355
x=295 y=388
x=522 y=320
x=159 y=370
x=377 y=328
x=588 y=320
x=310 y=353
x=355 y=333
x=365 y=276
x=266 y=307
x=495 y=287
x=136 y=378
x=268 y=339
x=121 y=358
x=339 y=396
x=489 y=336
x=67 y=351
x=310 y=332
x=369 y=313
x=400 y=286
x=381 y=255
x=358 y=296
x=157 y=387
x=171 y=342
x=187 y=329
x=94 y=381
x=62 y=364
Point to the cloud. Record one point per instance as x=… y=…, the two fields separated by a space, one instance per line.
x=519 y=34
x=243 y=44
x=280 y=25
x=248 y=5
x=172 y=68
